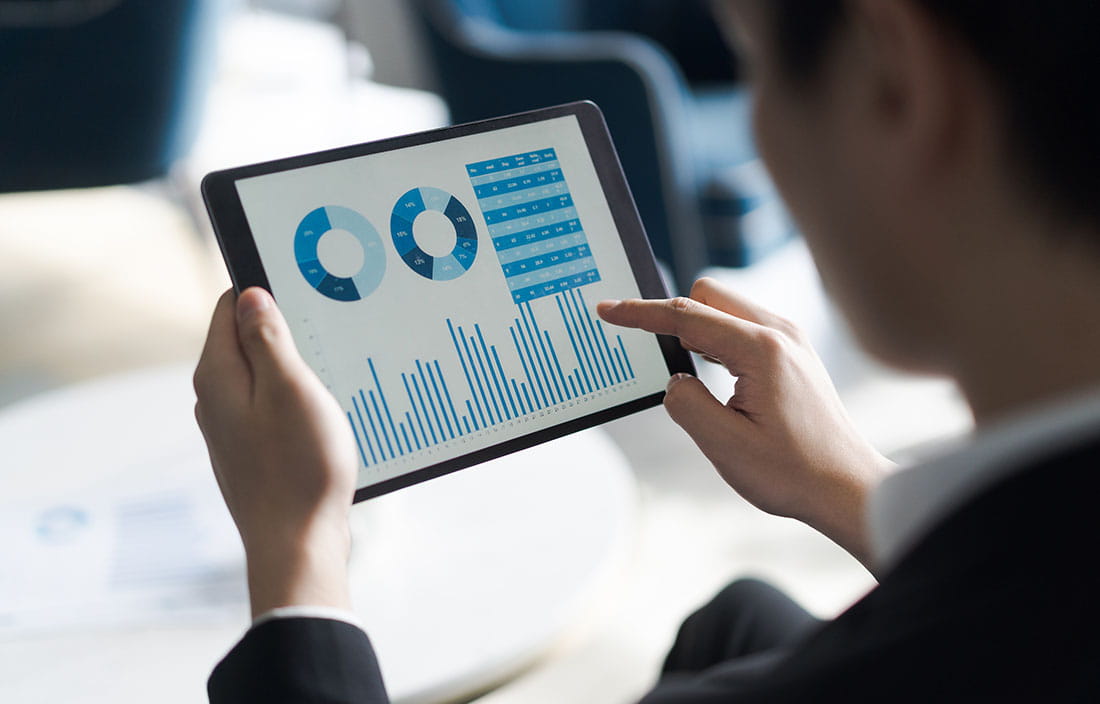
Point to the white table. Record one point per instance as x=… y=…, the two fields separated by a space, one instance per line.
x=462 y=581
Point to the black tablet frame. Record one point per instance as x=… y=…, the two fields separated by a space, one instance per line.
x=238 y=248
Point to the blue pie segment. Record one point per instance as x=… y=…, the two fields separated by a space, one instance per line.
x=313 y=227
x=408 y=208
x=534 y=225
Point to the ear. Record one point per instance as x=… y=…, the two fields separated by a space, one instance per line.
x=918 y=95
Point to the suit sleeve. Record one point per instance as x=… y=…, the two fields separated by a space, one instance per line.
x=301 y=660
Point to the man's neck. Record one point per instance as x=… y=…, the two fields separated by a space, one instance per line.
x=1033 y=325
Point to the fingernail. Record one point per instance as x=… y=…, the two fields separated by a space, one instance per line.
x=676 y=379
x=252 y=302
x=604 y=306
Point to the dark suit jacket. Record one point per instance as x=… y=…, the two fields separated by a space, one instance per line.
x=999 y=603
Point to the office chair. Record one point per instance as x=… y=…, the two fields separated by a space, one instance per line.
x=99 y=92
x=682 y=145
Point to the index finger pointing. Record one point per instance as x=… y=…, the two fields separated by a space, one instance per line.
x=699 y=326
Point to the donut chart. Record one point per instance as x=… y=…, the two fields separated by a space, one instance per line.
x=405 y=212
x=316 y=225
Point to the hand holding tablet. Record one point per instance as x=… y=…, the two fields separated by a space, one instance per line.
x=442 y=285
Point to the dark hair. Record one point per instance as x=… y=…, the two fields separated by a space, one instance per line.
x=1044 y=57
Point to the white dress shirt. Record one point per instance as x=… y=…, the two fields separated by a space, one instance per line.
x=330 y=612
x=908 y=504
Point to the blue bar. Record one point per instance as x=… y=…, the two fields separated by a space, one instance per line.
x=619 y=375
x=366 y=435
x=403 y=432
x=465 y=371
x=572 y=341
x=523 y=359
x=537 y=343
x=523 y=409
x=377 y=437
x=557 y=364
x=625 y=356
x=484 y=375
x=447 y=393
x=588 y=365
x=537 y=334
x=412 y=402
x=470 y=412
x=442 y=406
x=357 y=442
x=409 y=422
x=378 y=412
x=592 y=327
x=496 y=358
x=385 y=405
x=439 y=397
x=528 y=397
x=480 y=388
x=573 y=383
x=466 y=420
x=492 y=374
x=550 y=356
x=598 y=373
x=540 y=373
x=618 y=359
x=577 y=376
x=424 y=406
x=431 y=401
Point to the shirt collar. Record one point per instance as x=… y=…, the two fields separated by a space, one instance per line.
x=910 y=502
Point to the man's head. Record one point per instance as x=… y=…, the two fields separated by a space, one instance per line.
x=922 y=143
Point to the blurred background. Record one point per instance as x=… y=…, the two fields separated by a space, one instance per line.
x=120 y=577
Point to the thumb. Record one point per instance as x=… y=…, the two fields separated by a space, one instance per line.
x=708 y=421
x=264 y=335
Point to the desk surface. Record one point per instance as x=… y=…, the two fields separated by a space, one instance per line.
x=462 y=581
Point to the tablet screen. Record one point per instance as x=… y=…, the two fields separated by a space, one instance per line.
x=445 y=292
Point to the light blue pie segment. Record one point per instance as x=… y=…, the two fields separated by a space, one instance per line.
x=447 y=268
x=314 y=227
x=435 y=198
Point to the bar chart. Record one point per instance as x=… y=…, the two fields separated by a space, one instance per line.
x=557 y=361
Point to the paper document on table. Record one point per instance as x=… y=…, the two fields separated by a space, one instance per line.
x=161 y=556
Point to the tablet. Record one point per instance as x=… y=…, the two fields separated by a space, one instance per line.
x=443 y=285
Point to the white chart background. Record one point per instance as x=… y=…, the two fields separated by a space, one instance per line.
x=405 y=317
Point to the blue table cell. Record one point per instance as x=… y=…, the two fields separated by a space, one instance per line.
x=526 y=210
x=518 y=183
x=526 y=237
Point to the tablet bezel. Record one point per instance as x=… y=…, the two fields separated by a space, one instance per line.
x=242 y=258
